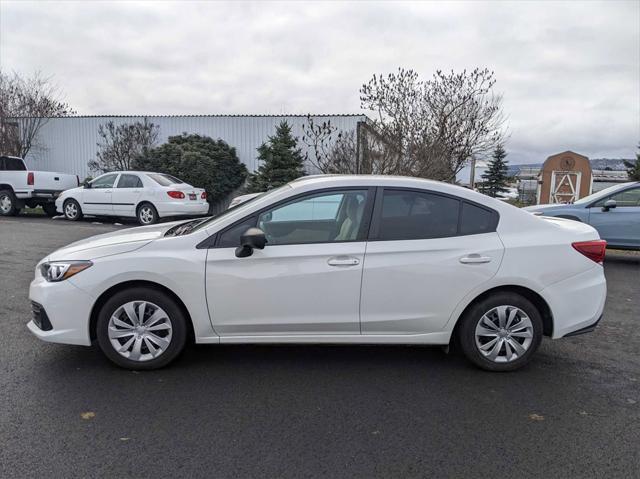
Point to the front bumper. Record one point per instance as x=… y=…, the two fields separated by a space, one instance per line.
x=68 y=309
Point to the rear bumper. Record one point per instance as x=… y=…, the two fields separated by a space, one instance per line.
x=587 y=329
x=38 y=194
x=577 y=303
x=178 y=208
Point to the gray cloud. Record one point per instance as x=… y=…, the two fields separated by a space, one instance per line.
x=569 y=72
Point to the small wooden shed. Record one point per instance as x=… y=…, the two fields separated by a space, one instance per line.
x=564 y=178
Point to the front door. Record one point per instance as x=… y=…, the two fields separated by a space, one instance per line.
x=306 y=281
x=97 y=199
x=620 y=226
x=426 y=253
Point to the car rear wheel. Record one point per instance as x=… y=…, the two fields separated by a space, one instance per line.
x=141 y=328
x=49 y=209
x=147 y=214
x=501 y=332
x=8 y=206
x=72 y=210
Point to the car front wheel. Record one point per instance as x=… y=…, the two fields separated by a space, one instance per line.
x=501 y=332
x=72 y=210
x=141 y=328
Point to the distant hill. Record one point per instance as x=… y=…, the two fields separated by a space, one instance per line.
x=615 y=164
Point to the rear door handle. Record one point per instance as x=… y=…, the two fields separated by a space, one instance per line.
x=343 y=261
x=475 y=259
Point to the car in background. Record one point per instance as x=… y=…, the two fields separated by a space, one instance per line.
x=614 y=212
x=334 y=259
x=144 y=195
x=238 y=200
x=20 y=187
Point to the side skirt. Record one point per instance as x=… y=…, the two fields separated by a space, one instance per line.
x=440 y=338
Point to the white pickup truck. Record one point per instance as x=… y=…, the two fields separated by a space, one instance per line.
x=20 y=187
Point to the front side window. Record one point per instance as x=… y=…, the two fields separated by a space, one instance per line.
x=408 y=215
x=319 y=218
x=627 y=198
x=129 y=181
x=105 y=181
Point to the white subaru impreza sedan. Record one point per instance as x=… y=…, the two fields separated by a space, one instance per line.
x=144 y=195
x=330 y=259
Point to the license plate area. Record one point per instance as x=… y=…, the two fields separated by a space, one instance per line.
x=193 y=196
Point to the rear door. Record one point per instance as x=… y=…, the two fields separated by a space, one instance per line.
x=426 y=252
x=126 y=194
x=97 y=200
x=620 y=226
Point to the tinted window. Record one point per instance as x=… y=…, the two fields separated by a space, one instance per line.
x=410 y=215
x=476 y=220
x=129 y=181
x=320 y=218
x=164 y=180
x=105 y=181
x=14 y=164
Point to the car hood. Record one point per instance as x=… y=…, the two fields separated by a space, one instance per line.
x=108 y=244
x=551 y=207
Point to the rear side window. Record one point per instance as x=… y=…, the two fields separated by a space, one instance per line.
x=129 y=181
x=408 y=215
x=477 y=220
x=164 y=180
x=12 y=164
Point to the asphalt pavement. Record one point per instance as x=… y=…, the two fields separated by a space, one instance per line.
x=313 y=411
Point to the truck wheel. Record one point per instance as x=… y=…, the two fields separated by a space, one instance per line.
x=49 y=209
x=72 y=210
x=8 y=203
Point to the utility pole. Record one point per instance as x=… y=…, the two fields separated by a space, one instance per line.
x=472 y=174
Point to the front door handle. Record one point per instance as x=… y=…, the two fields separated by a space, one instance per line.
x=475 y=259
x=343 y=261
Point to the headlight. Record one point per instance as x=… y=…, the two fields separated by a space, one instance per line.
x=61 y=270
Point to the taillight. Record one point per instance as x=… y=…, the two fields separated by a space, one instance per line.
x=594 y=250
x=30 y=178
x=203 y=196
x=178 y=195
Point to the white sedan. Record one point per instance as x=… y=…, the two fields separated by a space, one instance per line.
x=143 y=195
x=335 y=259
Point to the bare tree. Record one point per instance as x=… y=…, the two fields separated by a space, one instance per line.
x=26 y=105
x=432 y=128
x=319 y=139
x=121 y=144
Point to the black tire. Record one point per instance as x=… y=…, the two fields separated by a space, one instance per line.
x=147 y=214
x=49 y=209
x=467 y=332
x=177 y=319
x=8 y=203
x=68 y=210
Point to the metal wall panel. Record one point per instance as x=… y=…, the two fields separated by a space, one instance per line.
x=66 y=145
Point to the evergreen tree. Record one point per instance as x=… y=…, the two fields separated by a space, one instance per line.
x=281 y=161
x=633 y=168
x=495 y=177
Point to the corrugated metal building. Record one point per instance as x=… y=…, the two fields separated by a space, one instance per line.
x=67 y=144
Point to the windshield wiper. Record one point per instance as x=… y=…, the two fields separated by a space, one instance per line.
x=184 y=228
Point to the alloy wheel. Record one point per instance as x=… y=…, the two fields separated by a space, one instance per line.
x=146 y=215
x=71 y=210
x=140 y=331
x=504 y=334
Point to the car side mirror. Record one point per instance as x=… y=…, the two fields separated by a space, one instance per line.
x=253 y=238
x=609 y=204
x=87 y=185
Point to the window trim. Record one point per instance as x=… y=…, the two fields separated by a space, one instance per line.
x=212 y=241
x=377 y=214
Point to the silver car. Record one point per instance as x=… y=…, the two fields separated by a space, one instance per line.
x=614 y=212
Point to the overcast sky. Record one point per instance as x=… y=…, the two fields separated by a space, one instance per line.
x=569 y=72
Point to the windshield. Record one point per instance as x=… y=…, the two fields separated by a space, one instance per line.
x=163 y=179
x=601 y=193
